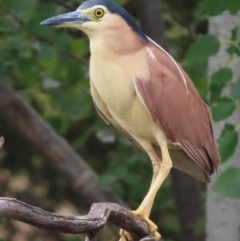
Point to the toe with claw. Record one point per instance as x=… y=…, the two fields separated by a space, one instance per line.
x=126 y=236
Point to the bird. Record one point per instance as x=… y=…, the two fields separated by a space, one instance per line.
x=142 y=91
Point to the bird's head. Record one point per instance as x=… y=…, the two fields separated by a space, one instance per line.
x=95 y=17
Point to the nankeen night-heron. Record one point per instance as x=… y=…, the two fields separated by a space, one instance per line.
x=144 y=93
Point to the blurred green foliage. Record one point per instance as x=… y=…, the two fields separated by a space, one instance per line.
x=49 y=68
x=74 y=238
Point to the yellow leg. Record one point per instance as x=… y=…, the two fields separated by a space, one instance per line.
x=156 y=163
x=161 y=170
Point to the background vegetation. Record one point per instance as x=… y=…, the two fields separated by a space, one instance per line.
x=49 y=69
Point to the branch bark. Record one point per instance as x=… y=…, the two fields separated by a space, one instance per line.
x=54 y=149
x=91 y=224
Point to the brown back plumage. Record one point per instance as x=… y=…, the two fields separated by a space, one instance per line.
x=179 y=109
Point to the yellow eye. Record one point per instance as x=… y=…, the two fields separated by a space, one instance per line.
x=99 y=12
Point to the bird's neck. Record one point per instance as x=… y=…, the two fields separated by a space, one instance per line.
x=116 y=42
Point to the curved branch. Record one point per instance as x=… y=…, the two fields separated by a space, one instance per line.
x=91 y=224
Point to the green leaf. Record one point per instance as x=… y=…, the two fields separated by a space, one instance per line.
x=205 y=46
x=235 y=93
x=215 y=7
x=227 y=142
x=222 y=76
x=23 y=6
x=46 y=52
x=107 y=180
x=202 y=86
x=235 y=33
x=197 y=70
x=79 y=47
x=6 y=25
x=233 y=6
x=228 y=183
x=200 y=226
x=215 y=91
x=223 y=108
x=74 y=238
x=62 y=40
x=232 y=49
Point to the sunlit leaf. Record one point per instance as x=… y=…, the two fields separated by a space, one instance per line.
x=228 y=142
x=228 y=183
x=223 y=108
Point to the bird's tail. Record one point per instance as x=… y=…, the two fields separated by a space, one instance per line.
x=183 y=162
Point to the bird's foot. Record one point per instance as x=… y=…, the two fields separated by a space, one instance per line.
x=152 y=226
x=126 y=236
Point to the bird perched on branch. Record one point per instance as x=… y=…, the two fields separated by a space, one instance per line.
x=144 y=93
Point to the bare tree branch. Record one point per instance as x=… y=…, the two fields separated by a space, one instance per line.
x=55 y=150
x=91 y=224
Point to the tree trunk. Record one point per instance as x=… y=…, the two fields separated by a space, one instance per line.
x=223 y=214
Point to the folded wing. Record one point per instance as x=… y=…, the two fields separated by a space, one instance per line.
x=173 y=101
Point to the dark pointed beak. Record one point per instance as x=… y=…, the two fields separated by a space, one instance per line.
x=68 y=19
